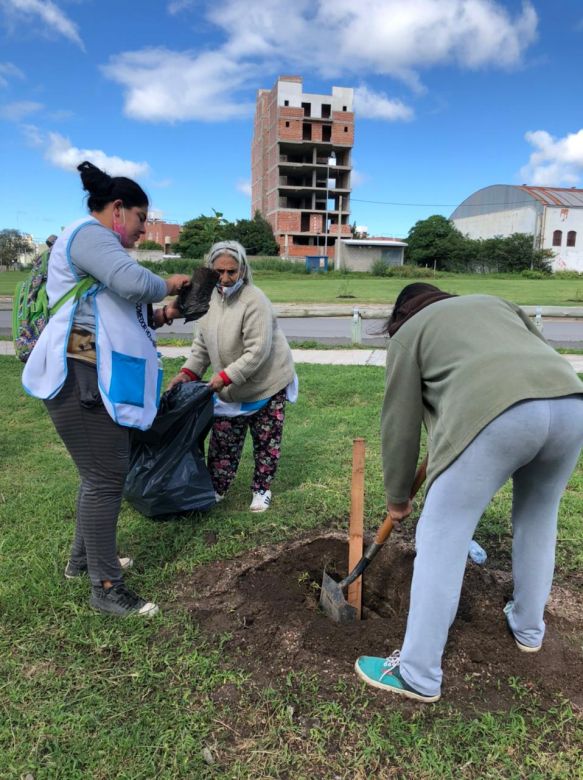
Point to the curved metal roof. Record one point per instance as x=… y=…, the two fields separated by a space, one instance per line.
x=556 y=196
x=501 y=197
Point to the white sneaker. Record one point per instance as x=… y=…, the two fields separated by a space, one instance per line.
x=218 y=497
x=261 y=501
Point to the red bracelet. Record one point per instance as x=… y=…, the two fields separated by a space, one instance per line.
x=190 y=374
x=226 y=379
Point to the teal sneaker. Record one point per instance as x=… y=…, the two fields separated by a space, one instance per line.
x=384 y=673
x=523 y=648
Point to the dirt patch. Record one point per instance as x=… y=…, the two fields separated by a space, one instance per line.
x=267 y=600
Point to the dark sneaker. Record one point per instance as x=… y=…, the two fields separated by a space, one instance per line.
x=121 y=601
x=72 y=571
x=384 y=673
x=523 y=648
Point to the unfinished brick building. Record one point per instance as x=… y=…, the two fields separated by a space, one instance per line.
x=301 y=164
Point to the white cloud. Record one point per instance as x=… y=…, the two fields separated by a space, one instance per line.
x=244 y=186
x=556 y=161
x=9 y=71
x=374 y=38
x=378 y=36
x=376 y=105
x=176 y=6
x=19 y=110
x=32 y=135
x=162 y=85
x=61 y=153
x=46 y=12
x=358 y=178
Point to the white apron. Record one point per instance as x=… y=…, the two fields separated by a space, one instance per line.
x=128 y=364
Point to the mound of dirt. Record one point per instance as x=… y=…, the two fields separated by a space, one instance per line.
x=268 y=601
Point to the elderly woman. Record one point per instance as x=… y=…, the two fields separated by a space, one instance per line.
x=498 y=403
x=253 y=374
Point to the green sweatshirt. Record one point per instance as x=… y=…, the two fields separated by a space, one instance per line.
x=455 y=366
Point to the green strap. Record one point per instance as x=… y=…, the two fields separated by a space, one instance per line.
x=76 y=292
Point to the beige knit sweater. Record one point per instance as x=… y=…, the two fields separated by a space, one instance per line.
x=240 y=336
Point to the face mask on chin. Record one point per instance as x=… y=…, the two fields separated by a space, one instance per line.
x=226 y=292
x=119 y=227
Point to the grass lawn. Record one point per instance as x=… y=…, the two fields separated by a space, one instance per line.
x=82 y=696
x=320 y=288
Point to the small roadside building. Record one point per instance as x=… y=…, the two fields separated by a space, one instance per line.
x=552 y=215
x=359 y=254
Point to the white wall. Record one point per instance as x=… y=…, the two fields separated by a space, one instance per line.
x=564 y=219
x=498 y=223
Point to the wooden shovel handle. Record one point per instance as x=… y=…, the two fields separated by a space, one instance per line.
x=385 y=530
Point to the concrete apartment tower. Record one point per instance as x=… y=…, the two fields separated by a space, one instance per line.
x=301 y=164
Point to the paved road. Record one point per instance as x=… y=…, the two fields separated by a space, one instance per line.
x=338 y=330
x=567 y=333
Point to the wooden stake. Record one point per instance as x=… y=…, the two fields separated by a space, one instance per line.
x=355 y=542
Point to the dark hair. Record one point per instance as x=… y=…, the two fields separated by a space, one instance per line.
x=406 y=294
x=104 y=189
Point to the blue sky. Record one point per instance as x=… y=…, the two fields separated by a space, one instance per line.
x=451 y=96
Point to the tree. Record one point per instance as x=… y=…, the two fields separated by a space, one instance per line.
x=12 y=244
x=198 y=235
x=256 y=235
x=437 y=243
x=149 y=244
x=513 y=254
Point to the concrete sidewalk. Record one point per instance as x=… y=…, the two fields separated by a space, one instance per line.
x=332 y=357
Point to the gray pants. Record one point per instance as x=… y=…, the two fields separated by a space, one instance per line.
x=100 y=449
x=537 y=443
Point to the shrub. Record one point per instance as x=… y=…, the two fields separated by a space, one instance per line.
x=380 y=268
x=567 y=275
x=531 y=274
x=277 y=264
x=179 y=265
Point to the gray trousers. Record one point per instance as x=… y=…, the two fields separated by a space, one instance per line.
x=100 y=449
x=537 y=443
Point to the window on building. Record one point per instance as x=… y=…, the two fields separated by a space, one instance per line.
x=345 y=129
x=286 y=102
x=307 y=132
x=571 y=237
x=287 y=124
x=344 y=108
x=326 y=133
x=557 y=237
x=326 y=110
x=307 y=109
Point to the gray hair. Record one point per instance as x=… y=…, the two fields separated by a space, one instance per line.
x=235 y=250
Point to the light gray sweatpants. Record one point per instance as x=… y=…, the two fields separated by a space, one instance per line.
x=537 y=443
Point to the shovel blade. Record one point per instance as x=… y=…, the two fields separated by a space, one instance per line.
x=333 y=603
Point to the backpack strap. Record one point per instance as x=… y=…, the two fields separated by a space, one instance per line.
x=75 y=292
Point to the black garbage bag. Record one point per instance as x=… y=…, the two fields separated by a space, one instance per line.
x=193 y=300
x=168 y=474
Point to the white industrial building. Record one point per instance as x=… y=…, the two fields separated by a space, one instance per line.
x=552 y=215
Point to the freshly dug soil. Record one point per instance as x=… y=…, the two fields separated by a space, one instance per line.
x=268 y=601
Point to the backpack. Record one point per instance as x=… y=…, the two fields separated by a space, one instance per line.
x=31 y=311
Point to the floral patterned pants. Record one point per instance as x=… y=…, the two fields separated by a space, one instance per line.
x=227 y=439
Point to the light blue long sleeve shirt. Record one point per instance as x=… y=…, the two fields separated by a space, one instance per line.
x=96 y=251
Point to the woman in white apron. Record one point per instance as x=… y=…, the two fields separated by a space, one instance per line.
x=97 y=369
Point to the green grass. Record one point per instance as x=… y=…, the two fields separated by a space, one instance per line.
x=326 y=288
x=85 y=697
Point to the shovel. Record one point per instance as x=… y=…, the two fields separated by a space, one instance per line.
x=332 y=600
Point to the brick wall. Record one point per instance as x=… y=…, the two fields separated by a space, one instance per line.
x=316 y=223
x=288 y=222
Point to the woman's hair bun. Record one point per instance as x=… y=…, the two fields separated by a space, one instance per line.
x=94 y=180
